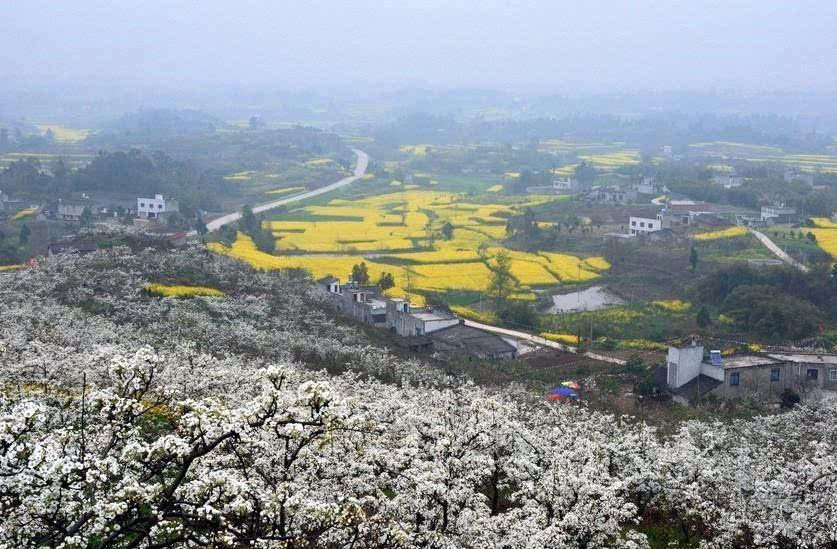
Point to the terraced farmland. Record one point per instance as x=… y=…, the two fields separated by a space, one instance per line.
x=811 y=163
x=400 y=233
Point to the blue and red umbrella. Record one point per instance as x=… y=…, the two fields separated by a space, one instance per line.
x=561 y=393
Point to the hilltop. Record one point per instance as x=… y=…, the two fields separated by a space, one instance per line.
x=242 y=412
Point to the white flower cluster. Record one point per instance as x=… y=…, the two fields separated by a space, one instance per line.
x=136 y=421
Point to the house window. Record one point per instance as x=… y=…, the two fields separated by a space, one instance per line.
x=159 y=206
x=813 y=374
x=650 y=225
x=734 y=378
x=142 y=204
x=832 y=374
x=633 y=223
x=642 y=223
x=774 y=374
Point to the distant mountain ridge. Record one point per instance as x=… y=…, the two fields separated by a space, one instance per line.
x=161 y=124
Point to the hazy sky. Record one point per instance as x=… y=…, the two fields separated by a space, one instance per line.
x=537 y=45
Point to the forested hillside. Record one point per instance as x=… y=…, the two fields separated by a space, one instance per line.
x=253 y=417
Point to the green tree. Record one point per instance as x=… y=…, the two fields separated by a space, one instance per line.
x=24 y=235
x=518 y=314
x=693 y=258
x=248 y=222
x=86 y=217
x=228 y=233
x=501 y=285
x=386 y=281
x=703 y=318
x=264 y=240
x=635 y=365
x=447 y=230
x=360 y=274
x=200 y=226
x=530 y=226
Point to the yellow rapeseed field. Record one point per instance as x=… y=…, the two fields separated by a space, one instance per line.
x=827 y=240
x=4 y=268
x=64 y=134
x=182 y=291
x=24 y=213
x=471 y=314
x=389 y=233
x=566 y=339
x=240 y=176
x=286 y=190
x=495 y=188
x=597 y=263
x=613 y=160
x=418 y=150
x=672 y=305
x=642 y=345
x=824 y=223
x=724 y=233
x=318 y=161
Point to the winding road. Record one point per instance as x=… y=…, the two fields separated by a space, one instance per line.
x=360 y=169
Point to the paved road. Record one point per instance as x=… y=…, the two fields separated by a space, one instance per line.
x=360 y=169
x=539 y=341
x=777 y=250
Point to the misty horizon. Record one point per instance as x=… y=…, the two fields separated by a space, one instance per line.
x=533 y=48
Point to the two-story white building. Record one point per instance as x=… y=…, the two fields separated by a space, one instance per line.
x=641 y=225
x=153 y=208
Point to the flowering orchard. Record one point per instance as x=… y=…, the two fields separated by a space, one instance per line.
x=131 y=420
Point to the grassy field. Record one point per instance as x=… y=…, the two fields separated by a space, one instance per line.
x=400 y=233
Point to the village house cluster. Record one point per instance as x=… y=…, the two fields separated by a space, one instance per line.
x=692 y=374
x=418 y=329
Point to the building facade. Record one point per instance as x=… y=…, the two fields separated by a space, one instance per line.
x=641 y=225
x=71 y=211
x=778 y=214
x=154 y=208
x=406 y=320
x=764 y=376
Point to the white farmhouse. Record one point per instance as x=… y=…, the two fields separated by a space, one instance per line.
x=639 y=225
x=153 y=208
x=728 y=180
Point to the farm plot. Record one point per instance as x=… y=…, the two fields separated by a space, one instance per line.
x=827 y=240
x=730 y=232
x=401 y=233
